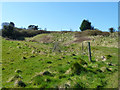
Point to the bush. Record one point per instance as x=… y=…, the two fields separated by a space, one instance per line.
x=111 y=30
x=19 y=34
x=85 y=25
x=77 y=68
x=105 y=34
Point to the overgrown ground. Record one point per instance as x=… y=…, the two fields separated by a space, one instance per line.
x=37 y=63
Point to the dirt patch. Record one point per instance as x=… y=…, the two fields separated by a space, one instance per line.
x=81 y=39
x=46 y=39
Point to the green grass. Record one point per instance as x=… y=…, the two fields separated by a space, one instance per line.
x=62 y=65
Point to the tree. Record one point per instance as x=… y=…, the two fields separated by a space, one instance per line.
x=11 y=23
x=8 y=31
x=36 y=28
x=85 y=25
x=111 y=30
x=33 y=27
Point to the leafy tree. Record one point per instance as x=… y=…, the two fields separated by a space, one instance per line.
x=7 y=31
x=111 y=30
x=36 y=28
x=11 y=23
x=33 y=27
x=85 y=25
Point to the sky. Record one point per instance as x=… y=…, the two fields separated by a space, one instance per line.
x=57 y=16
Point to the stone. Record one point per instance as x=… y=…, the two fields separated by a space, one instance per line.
x=103 y=69
x=49 y=62
x=47 y=80
x=24 y=57
x=18 y=71
x=67 y=85
x=33 y=51
x=3 y=68
x=18 y=47
x=73 y=55
x=59 y=59
x=102 y=57
x=19 y=83
x=109 y=69
x=68 y=71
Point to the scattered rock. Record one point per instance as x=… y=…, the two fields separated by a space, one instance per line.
x=47 y=80
x=68 y=62
x=8 y=53
x=73 y=55
x=24 y=57
x=67 y=85
x=59 y=59
x=104 y=59
x=103 y=69
x=63 y=57
x=109 y=69
x=108 y=56
x=68 y=71
x=49 y=62
x=19 y=83
x=33 y=51
x=3 y=68
x=85 y=66
x=18 y=71
x=18 y=47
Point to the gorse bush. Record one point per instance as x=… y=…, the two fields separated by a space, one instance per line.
x=15 y=33
x=92 y=33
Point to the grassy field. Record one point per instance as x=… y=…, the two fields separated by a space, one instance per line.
x=56 y=60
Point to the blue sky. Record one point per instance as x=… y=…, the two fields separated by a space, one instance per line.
x=61 y=15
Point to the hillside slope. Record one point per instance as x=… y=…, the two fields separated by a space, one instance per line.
x=56 y=60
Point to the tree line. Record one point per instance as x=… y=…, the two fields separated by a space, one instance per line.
x=10 y=31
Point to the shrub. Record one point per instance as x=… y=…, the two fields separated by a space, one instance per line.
x=111 y=30
x=76 y=68
x=85 y=25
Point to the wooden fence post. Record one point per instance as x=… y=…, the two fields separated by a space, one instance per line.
x=89 y=52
